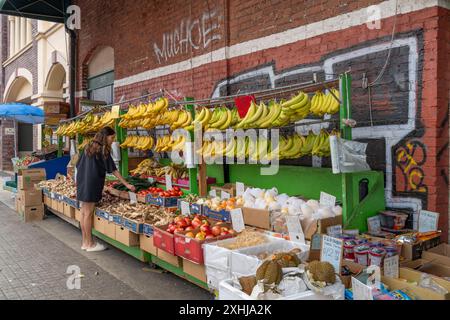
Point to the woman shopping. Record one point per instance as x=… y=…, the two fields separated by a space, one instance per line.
x=92 y=167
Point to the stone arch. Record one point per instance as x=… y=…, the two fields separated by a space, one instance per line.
x=56 y=78
x=99 y=59
x=19 y=86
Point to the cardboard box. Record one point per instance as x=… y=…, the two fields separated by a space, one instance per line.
x=60 y=206
x=146 y=244
x=354 y=268
x=321 y=226
x=69 y=211
x=110 y=229
x=440 y=254
x=169 y=258
x=77 y=215
x=99 y=224
x=414 y=251
x=228 y=187
x=427 y=266
x=31 y=197
x=416 y=276
x=29 y=214
x=47 y=201
x=257 y=218
x=55 y=108
x=27 y=178
x=54 y=119
x=195 y=270
x=127 y=237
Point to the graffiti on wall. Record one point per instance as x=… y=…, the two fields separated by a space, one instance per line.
x=189 y=35
x=395 y=107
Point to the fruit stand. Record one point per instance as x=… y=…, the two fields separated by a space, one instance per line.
x=173 y=222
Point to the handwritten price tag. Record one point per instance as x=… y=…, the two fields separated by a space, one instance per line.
x=185 y=209
x=111 y=218
x=240 y=188
x=168 y=182
x=133 y=197
x=316 y=241
x=374 y=224
x=351 y=232
x=115 y=111
x=327 y=199
x=225 y=195
x=332 y=252
x=428 y=221
x=391 y=267
x=334 y=230
x=213 y=193
x=237 y=220
x=361 y=291
x=295 y=229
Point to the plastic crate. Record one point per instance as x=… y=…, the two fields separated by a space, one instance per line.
x=163 y=240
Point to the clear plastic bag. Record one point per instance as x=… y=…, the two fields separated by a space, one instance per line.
x=347 y=155
x=427 y=281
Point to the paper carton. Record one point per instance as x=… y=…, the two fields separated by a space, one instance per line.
x=195 y=270
x=110 y=229
x=27 y=178
x=77 y=215
x=228 y=187
x=30 y=197
x=29 y=214
x=321 y=226
x=146 y=244
x=257 y=218
x=69 y=211
x=440 y=254
x=99 y=224
x=169 y=258
x=127 y=237
x=414 y=251
x=427 y=266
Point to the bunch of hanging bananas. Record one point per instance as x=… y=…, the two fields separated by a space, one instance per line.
x=85 y=142
x=222 y=118
x=175 y=118
x=322 y=103
x=167 y=143
x=146 y=110
x=90 y=123
x=260 y=149
x=48 y=132
x=138 y=142
x=203 y=116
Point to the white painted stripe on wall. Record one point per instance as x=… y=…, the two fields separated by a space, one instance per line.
x=343 y=21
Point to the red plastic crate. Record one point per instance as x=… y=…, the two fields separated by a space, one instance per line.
x=163 y=240
x=192 y=249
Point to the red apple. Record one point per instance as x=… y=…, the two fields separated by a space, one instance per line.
x=178 y=230
x=188 y=221
x=205 y=222
x=209 y=236
x=189 y=228
x=177 y=219
x=224 y=233
x=196 y=223
x=172 y=228
x=216 y=230
x=200 y=236
x=205 y=228
x=182 y=223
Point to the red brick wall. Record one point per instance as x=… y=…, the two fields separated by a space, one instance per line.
x=416 y=172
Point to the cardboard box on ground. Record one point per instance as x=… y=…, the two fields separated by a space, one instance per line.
x=195 y=270
x=27 y=178
x=146 y=244
x=125 y=236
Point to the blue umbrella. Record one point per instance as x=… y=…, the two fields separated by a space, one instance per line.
x=22 y=113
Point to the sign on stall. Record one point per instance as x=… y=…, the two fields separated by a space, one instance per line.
x=295 y=229
x=327 y=199
x=428 y=221
x=225 y=195
x=168 y=182
x=133 y=197
x=185 y=209
x=334 y=230
x=331 y=251
x=240 y=188
x=237 y=220
x=391 y=266
x=212 y=193
x=374 y=224
x=115 y=111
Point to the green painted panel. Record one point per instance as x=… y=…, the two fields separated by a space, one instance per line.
x=216 y=171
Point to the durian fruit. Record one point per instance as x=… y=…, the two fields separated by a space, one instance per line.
x=287 y=260
x=269 y=272
x=247 y=284
x=322 y=271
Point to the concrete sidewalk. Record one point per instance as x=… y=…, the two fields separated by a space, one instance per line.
x=34 y=258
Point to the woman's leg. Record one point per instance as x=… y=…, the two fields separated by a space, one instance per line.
x=86 y=221
x=83 y=237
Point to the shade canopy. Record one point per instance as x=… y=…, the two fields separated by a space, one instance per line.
x=22 y=113
x=48 y=10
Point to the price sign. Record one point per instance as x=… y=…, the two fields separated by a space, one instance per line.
x=212 y=193
x=133 y=197
x=391 y=267
x=327 y=199
x=361 y=291
x=115 y=111
x=185 y=209
x=332 y=252
x=111 y=218
x=352 y=232
x=316 y=241
x=428 y=221
x=237 y=220
x=151 y=180
x=240 y=188
x=168 y=182
x=374 y=224
x=52 y=195
x=334 y=230
x=225 y=195
x=295 y=229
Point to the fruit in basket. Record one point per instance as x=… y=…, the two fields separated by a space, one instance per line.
x=189 y=228
x=178 y=230
x=190 y=235
x=209 y=236
x=182 y=224
x=200 y=236
x=321 y=271
x=205 y=228
x=216 y=230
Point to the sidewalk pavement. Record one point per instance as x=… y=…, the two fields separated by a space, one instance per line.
x=35 y=257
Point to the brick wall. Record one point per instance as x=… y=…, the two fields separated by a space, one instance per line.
x=409 y=134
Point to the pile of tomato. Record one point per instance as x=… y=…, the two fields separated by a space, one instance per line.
x=174 y=192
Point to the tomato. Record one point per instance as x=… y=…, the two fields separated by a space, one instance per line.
x=180 y=193
x=176 y=188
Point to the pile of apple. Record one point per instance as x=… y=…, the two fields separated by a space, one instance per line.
x=199 y=227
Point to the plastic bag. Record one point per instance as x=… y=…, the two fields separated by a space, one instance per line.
x=426 y=281
x=292 y=283
x=347 y=155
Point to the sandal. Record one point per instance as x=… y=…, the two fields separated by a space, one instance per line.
x=98 y=247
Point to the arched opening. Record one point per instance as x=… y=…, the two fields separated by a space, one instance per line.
x=55 y=80
x=100 y=77
x=21 y=91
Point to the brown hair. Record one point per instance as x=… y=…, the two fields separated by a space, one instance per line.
x=99 y=144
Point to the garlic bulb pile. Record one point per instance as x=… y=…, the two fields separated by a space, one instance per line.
x=257 y=198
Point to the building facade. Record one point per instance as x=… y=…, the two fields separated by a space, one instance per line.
x=33 y=71
x=212 y=48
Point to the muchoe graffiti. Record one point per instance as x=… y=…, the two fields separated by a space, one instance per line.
x=395 y=114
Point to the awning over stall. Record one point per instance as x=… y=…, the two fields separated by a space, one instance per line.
x=48 y=10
